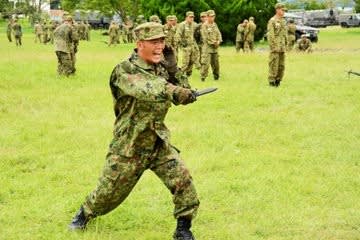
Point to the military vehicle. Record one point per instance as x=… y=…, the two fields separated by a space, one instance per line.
x=95 y=18
x=349 y=20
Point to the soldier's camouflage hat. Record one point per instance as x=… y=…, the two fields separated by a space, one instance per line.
x=203 y=14
x=154 y=18
x=149 y=31
x=190 y=14
x=211 y=13
x=251 y=18
x=280 y=5
x=171 y=17
x=68 y=18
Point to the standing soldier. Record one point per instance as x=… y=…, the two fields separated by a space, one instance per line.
x=291 y=28
x=82 y=29
x=45 y=33
x=9 y=30
x=277 y=38
x=87 y=31
x=16 y=27
x=52 y=28
x=38 y=30
x=240 y=35
x=304 y=44
x=113 y=33
x=142 y=97
x=155 y=18
x=185 y=39
x=128 y=27
x=198 y=38
x=212 y=38
x=249 y=35
x=66 y=40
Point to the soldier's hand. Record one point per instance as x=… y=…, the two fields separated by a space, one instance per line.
x=185 y=95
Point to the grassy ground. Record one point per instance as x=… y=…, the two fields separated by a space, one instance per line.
x=267 y=163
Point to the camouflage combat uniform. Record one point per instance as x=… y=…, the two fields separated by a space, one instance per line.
x=113 y=34
x=52 y=28
x=291 y=29
x=9 y=30
x=16 y=27
x=304 y=45
x=249 y=36
x=212 y=38
x=240 y=30
x=190 y=50
x=45 y=34
x=38 y=32
x=66 y=40
x=277 y=38
x=169 y=52
x=141 y=141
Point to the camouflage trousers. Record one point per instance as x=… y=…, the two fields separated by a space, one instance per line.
x=207 y=60
x=248 y=46
x=120 y=175
x=276 y=66
x=291 y=42
x=112 y=40
x=190 y=56
x=239 y=45
x=45 y=38
x=38 y=37
x=66 y=65
x=18 y=40
x=8 y=33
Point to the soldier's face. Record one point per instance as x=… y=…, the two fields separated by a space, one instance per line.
x=211 y=19
x=203 y=19
x=151 y=50
x=280 y=12
x=190 y=19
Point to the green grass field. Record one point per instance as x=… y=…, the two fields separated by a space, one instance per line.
x=267 y=163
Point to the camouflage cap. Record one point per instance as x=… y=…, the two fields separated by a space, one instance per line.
x=190 y=14
x=68 y=18
x=170 y=18
x=279 y=5
x=149 y=31
x=203 y=14
x=251 y=18
x=210 y=13
x=154 y=18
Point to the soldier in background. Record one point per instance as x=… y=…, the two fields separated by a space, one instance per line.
x=249 y=35
x=184 y=38
x=45 y=32
x=128 y=28
x=9 y=29
x=240 y=35
x=212 y=38
x=17 y=31
x=304 y=44
x=277 y=39
x=82 y=29
x=291 y=29
x=113 y=33
x=66 y=40
x=155 y=18
x=87 y=30
x=198 y=37
x=141 y=103
x=38 y=30
x=52 y=27
x=169 y=51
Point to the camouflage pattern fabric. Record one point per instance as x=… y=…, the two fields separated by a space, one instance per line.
x=190 y=51
x=304 y=45
x=277 y=39
x=212 y=38
x=291 y=36
x=38 y=30
x=45 y=33
x=249 y=34
x=9 y=30
x=142 y=98
x=113 y=34
x=240 y=31
x=52 y=28
x=65 y=63
x=16 y=27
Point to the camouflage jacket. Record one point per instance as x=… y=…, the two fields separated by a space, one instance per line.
x=304 y=45
x=184 y=36
x=38 y=29
x=291 y=29
x=17 y=30
x=9 y=28
x=240 y=33
x=211 y=36
x=141 y=101
x=170 y=32
x=113 y=30
x=197 y=34
x=277 y=34
x=250 y=31
x=66 y=38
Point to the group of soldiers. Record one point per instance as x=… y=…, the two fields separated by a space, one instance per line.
x=124 y=31
x=245 y=33
x=14 y=30
x=303 y=44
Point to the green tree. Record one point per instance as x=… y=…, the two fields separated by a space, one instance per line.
x=5 y=8
x=357 y=6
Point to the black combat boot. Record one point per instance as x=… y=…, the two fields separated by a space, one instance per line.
x=272 y=84
x=79 y=221
x=277 y=83
x=182 y=231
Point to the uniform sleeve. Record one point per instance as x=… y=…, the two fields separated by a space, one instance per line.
x=138 y=85
x=271 y=34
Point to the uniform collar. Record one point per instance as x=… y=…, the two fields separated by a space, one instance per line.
x=138 y=61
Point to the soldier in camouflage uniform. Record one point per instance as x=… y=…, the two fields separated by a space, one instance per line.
x=197 y=35
x=240 y=35
x=170 y=44
x=52 y=28
x=142 y=96
x=45 y=34
x=291 y=29
x=185 y=39
x=155 y=18
x=9 y=30
x=212 y=38
x=87 y=31
x=66 y=40
x=38 y=30
x=128 y=29
x=304 y=44
x=113 y=33
x=277 y=38
x=16 y=27
x=249 y=34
